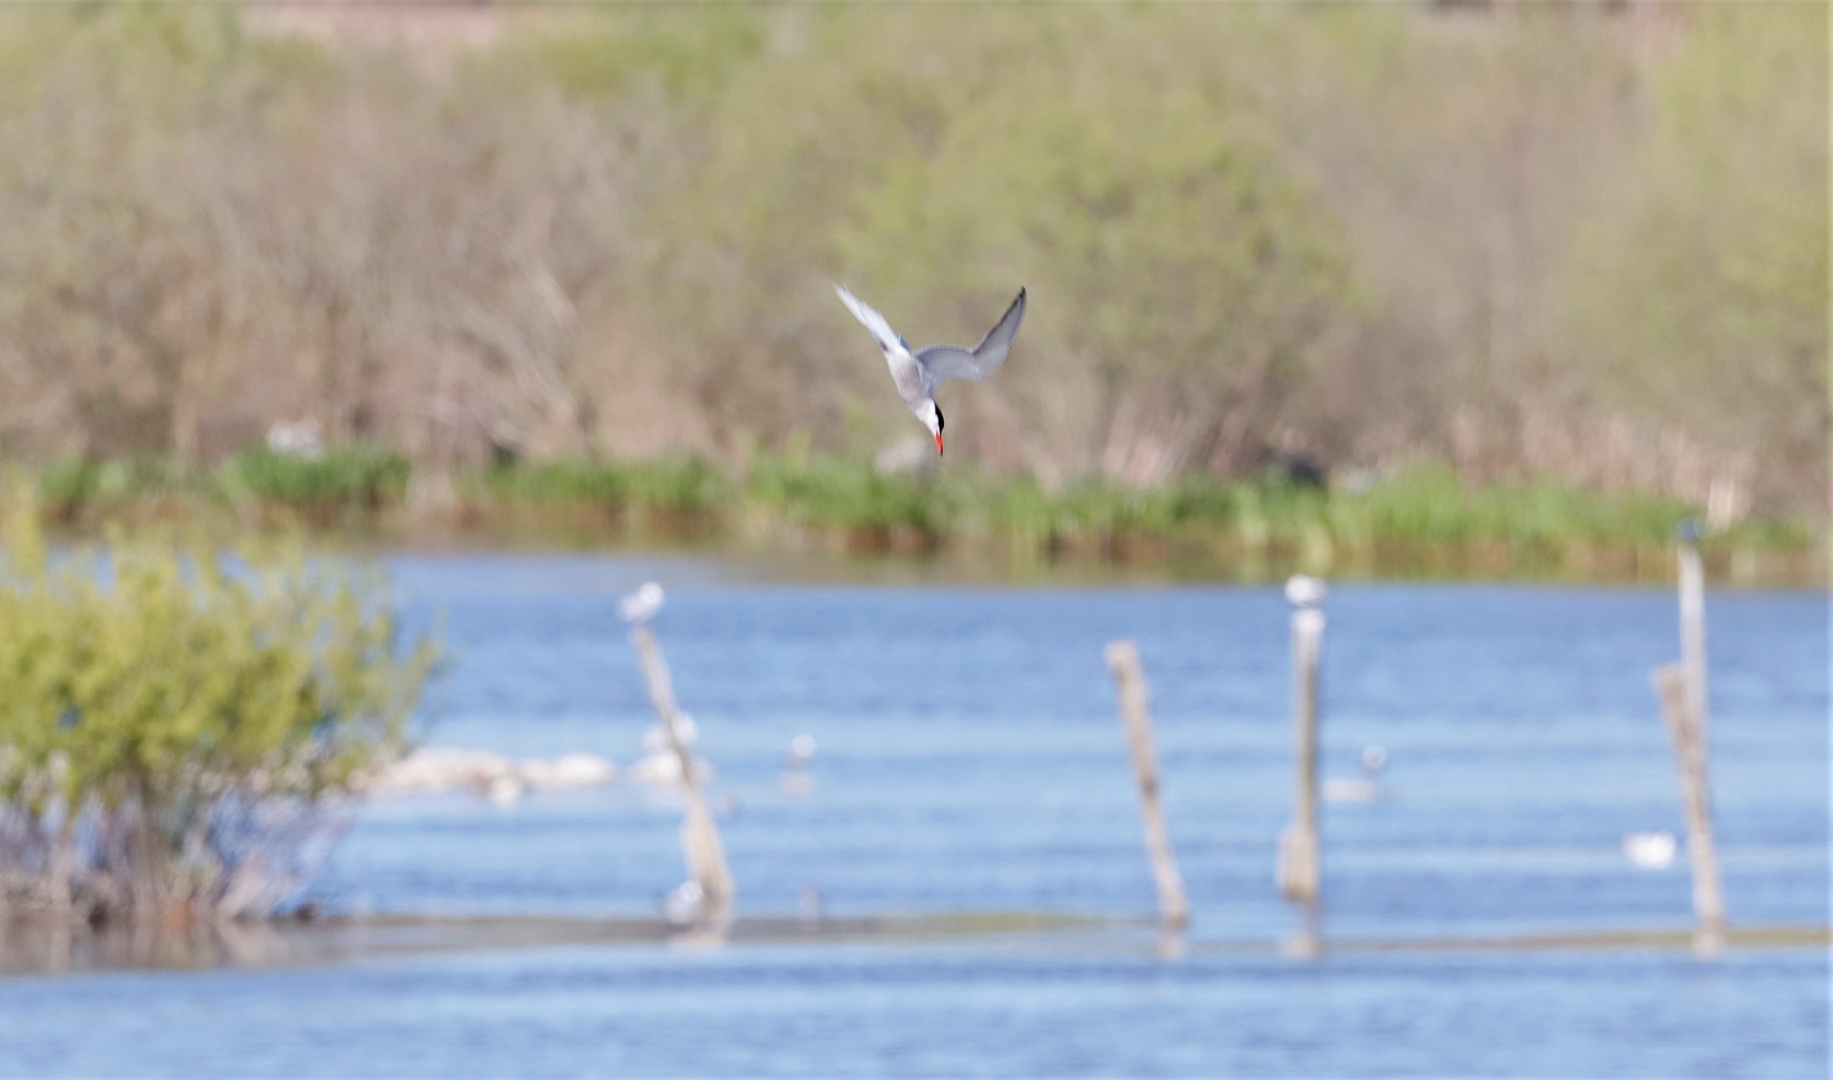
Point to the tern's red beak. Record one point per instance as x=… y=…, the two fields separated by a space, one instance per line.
x=938 y=442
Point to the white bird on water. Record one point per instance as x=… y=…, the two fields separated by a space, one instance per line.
x=1650 y=851
x=918 y=373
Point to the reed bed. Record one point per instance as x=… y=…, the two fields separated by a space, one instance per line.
x=1421 y=522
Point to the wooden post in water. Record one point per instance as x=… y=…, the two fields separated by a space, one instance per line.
x=700 y=844
x=1693 y=624
x=1136 y=716
x=1298 y=874
x=1689 y=738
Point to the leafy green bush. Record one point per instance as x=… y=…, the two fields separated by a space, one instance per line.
x=173 y=723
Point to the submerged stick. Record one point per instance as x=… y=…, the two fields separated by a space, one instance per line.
x=1688 y=736
x=700 y=843
x=1136 y=716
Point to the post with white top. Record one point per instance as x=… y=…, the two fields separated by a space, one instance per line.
x=1693 y=624
x=1682 y=690
x=1298 y=874
x=1136 y=716
x=700 y=844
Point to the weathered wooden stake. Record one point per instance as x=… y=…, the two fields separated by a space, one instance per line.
x=1686 y=707
x=1298 y=874
x=1136 y=716
x=700 y=844
x=1688 y=736
x=1693 y=625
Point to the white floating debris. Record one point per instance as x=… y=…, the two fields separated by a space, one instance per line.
x=664 y=767
x=1651 y=851
x=505 y=790
x=801 y=750
x=499 y=778
x=567 y=771
x=661 y=765
x=438 y=769
x=655 y=740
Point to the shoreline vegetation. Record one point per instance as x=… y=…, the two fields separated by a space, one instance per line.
x=179 y=725
x=1419 y=523
x=1537 y=243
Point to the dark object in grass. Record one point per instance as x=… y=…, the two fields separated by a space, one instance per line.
x=1298 y=470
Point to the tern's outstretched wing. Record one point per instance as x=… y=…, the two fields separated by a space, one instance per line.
x=949 y=362
x=888 y=339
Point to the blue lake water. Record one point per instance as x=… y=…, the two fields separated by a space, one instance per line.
x=970 y=759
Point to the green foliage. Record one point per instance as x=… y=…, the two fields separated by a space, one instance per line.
x=1142 y=190
x=1346 y=229
x=1126 y=177
x=828 y=491
x=683 y=485
x=689 y=54
x=1429 y=505
x=367 y=477
x=1422 y=520
x=154 y=693
x=1705 y=286
x=72 y=485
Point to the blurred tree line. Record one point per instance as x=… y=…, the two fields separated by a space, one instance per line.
x=1585 y=242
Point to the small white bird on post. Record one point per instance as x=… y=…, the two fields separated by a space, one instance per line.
x=1304 y=592
x=642 y=605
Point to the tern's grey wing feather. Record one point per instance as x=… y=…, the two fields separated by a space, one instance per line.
x=950 y=362
x=888 y=339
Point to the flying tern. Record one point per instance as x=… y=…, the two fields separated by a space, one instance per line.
x=917 y=373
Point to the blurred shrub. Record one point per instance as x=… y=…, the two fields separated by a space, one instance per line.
x=174 y=725
x=830 y=491
x=1110 y=160
x=1571 y=241
x=681 y=485
x=365 y=477
x=1703 y=282
x=74 y=488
